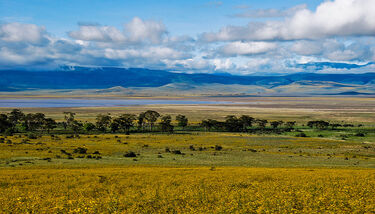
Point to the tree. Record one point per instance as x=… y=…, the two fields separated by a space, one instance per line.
x=166 y=124
x=76 y=126
x=261 y=123
x=115 y=125
x=318 y=124
x=276 y=124
x=31 y=122
x=69 y=117
x=15 y=117
x=182 y=120
x=4 y=123
x=88 y=127
x=103 y=122
x=49 y=124
x=141 y=121
x=151 y=117
x=126 y=121
x=246 y=121
x=232 y=123
x=290 y=124
x=209 y=124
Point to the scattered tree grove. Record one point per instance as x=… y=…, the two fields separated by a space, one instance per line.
x=148 y=121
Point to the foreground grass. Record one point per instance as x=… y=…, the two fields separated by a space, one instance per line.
x=213 y=173
x=143 y=189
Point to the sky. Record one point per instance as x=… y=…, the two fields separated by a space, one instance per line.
x=237 y=37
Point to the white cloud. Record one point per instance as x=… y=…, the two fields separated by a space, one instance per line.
x=98 y=33
x=140 y=30
x=246 y=48
x=18 y=32
x=136 y=31
x=270 y=13
x=331 y=18
x=307 y=47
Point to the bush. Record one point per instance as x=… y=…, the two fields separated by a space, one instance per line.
x=359 y=135
x=301 y=135
x=32 y=136
x=177 y=152
x=130 y=154
x=218 y=148
x=80 y=150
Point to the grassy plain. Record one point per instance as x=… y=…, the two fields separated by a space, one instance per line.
x=326 y=172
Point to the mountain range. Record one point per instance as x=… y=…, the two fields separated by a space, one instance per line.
x=146 y=81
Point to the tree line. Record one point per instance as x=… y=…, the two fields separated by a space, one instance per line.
x=148 y=121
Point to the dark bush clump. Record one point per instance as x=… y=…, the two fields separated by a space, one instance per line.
x=218 y=148
x=80 y=150
x=359 y=135
x=177 y=152
x=130 y=154
x=301 y=135
x=32 y=136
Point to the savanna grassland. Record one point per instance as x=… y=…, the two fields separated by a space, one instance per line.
x=196 y=171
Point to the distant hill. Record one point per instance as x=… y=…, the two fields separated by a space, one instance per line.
x=119 y=80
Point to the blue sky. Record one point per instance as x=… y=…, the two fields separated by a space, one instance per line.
x=239 y=37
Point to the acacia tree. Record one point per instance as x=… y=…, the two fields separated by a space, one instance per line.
x=15 y=117
x=69 y=119
x=88 y=127
x=232 y=123
x=151 y=117
x=209 y=124
x=126 y=121
x=166 y=124
x=261 y=123
x=246 y=121
x=182 y=120
x=103 y=122
x=32 y=122
x=290 y=124
x=115 y=125
x=4 y=123
x=141 y=121
x=49 y=124
x=276 y=124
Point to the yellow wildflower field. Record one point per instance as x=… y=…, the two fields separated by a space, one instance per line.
x=147 y=189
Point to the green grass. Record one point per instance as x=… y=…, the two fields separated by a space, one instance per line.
x=237 y=150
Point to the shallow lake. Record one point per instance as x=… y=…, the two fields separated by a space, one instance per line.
x=55 y=103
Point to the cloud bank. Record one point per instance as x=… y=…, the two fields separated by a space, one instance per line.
x=336 y=31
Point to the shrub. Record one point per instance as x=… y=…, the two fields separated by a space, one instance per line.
x=32 y=136
x=177 y=152
x=359 y=135
x=218 y=147
x=80 y=150
x=301 y=135
x=130 y=154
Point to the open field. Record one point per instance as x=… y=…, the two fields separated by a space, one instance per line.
x=143 y=189
x=211 y=173
x=196 y=149
x=192 y=171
